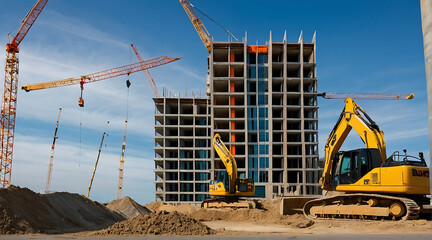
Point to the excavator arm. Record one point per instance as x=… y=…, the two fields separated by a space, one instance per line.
x=352 y=117
x=228 y=160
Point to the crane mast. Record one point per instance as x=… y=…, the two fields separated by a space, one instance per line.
x=48 y=181
x=147 y=73
x=120 y=184
x=9 y=100
x=97 y=160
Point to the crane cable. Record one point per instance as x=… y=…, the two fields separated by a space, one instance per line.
x=80 y=137
x=226 y=30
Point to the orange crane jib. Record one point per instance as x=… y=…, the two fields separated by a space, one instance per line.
x=115 y=72
x=147 y=73
x=25 y=27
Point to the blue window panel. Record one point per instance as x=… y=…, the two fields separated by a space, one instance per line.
x=262 y=99
x=251 y=72
x=263 y=124
x=253 y=175
x=263 y=149
x=252 y=125
x=252 y=112
x=260 y=191
x=263 y=136
x=263 y=112
x=262 y=72
x=262 y=58
x=262 y=86
x=264 y=162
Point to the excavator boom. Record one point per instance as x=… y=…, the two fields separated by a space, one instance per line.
x=228 y=160
x=353 y=116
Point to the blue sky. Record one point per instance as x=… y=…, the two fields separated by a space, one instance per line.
x=362 y=46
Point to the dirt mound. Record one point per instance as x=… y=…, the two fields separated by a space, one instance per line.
x=84 y=213
x=127 y=207
x=24 y=211
x=158 y=223
x=182 y=208
x=269 y=214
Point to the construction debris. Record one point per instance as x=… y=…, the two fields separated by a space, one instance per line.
x=159 y=223
x=127 y=207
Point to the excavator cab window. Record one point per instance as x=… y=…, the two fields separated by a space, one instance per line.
x=357 y=163
x=345 y=168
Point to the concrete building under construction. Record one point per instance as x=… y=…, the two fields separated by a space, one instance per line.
x=263 y=103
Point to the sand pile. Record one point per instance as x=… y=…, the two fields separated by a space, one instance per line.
x=127 y=207
x=182 y=208
x=158 y=223
x=268 y=214
x=24 y=211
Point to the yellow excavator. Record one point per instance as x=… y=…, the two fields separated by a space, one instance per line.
x=364 y=183
x=227 y=190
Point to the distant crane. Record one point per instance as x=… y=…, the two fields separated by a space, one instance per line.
x=9 y=101
x=366 y=96
x=199 y=26
x=97 y=159
x=115 y=72
x=120 y=183
x=50 y=166
x=147 y=73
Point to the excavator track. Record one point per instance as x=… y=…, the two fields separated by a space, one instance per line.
x=362 y=206
x=228 y=202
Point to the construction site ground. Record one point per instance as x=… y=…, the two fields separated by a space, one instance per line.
x=29 y=215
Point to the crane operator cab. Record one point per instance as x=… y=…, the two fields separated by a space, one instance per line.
x=363 y=167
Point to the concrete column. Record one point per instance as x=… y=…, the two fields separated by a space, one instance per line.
x=426 y=15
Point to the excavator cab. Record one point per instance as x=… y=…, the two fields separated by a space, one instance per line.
x=351 y=166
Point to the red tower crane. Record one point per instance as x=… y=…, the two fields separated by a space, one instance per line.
x=115 y=72
x=147 y=73
x=9 y=101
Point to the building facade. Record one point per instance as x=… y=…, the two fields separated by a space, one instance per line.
x=263 y=103
x=182 y=149
x=264 y=106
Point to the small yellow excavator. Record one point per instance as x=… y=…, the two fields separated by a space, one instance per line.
x=227 y=190
x=364 y=183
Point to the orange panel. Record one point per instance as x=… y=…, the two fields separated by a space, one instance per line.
x=232 y=148
x=232 y=101
x=232 y=87
x=257 y=49
x=232 y=125
x=232 y=113
x=232 y=67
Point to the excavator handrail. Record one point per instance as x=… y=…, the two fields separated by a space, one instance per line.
x=368 y=131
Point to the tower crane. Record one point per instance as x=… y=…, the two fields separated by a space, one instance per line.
x=9 y=101
x=115 y=72
x=199 y=26
x=147 y=73
x=366 y=96
x=50 y=166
